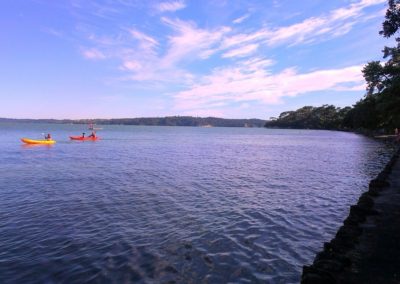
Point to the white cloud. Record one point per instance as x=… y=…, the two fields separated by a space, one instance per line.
x=131 y=65
x=145 y=57
x=241 y=51
x=93 y=54
x=170 y=6
x=366 y=3
x=240 y=84
x=257 y=63
x=146 y=43
x=336 y=23
x=241 y=38
x=190 y=42
x=146 y=61
x=241 y=19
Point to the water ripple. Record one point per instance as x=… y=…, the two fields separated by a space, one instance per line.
x=176 y=205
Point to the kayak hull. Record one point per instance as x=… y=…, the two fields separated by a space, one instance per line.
x=80 y=138
x=33 y=141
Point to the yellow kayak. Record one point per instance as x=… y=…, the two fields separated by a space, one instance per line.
x=32 y=141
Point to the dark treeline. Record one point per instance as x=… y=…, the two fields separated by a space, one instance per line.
x=308 y=117
x=185 y=121
x=378 y=110
x=157 y=121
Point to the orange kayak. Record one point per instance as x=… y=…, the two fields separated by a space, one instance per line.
x=33 y=141
x=80 y=138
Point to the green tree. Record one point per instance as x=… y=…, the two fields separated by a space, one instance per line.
x=309 y=117
x=383 y=80
x=392 y=22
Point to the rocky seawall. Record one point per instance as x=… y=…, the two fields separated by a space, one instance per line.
x=358 y=244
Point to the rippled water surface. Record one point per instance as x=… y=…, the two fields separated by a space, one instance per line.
x=175 y=204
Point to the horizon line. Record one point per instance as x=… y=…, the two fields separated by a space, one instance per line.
x=8 y=118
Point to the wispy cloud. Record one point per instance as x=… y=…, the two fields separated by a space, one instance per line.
x=131 y=65
x=93 y=53
x=190 y=42
x=244 y=82
x=146 y=57
x=147 y=61
x=241 y=51
x=241 y=19
x=146 y=43
x=170 y=6
x=336 y=23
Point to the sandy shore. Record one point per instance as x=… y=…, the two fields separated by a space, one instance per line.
x=366 y=249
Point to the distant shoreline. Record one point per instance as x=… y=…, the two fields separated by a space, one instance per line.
x=153 y=121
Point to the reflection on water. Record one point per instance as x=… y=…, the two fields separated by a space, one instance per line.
x=26 y=146
x=160 y=204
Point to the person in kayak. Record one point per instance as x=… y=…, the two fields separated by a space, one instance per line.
x=93 y=135
x=83 y=135
x=47 y=137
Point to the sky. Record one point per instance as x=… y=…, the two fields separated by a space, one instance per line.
x=228 y=58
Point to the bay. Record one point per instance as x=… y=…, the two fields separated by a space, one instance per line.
x=175 y=204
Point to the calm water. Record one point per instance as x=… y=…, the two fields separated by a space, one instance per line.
x=175 y=204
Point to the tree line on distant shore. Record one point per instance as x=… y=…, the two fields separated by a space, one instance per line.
x=156 y=121
x=184 y=121
x=378 y=110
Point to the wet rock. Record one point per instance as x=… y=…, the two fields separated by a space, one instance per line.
x=312 y=275
x=330 y=265
x=365 y=201
x=349 y=232
x=342 y=244
x=373 y=191
x=328 y=248
x=327 y=254
x=388 y=168
x=382 y=176
x=378 y=183
x=352 y=220
x=361 y=212
x=312 y=278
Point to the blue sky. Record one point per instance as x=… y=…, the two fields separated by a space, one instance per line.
x=233 y=59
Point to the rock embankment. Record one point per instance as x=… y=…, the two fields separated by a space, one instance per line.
x=366 y=249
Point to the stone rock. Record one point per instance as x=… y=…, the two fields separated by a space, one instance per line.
x=361 y=212
x=374 y=191
x=312 y=275
x=365 y=201
x=382 y=176
x=378 y=183
x=329 y=265
x=349 y=232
